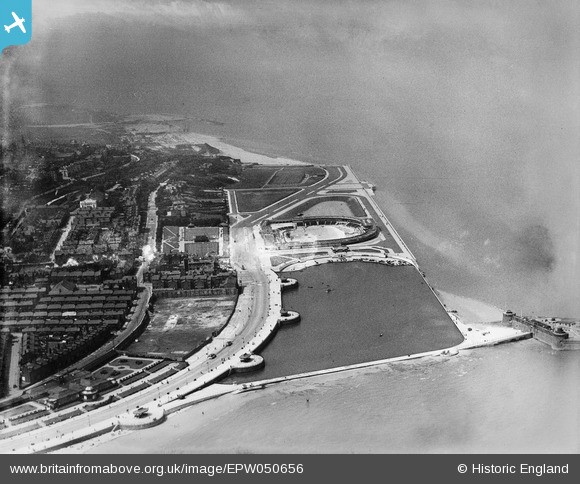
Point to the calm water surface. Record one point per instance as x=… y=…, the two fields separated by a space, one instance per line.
x=352 y=313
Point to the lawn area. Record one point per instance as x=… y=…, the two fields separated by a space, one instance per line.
x=331 y=206
x=276 y=176
x=254 y=200
x=130 y=363
x=179 y=325
x=297 y=176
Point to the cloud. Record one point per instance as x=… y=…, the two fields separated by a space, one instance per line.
x=176 y=13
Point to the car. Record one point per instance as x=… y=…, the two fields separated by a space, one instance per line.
x=229 y=343
x=211 y=356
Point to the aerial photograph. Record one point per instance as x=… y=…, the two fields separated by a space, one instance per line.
x=290 y=227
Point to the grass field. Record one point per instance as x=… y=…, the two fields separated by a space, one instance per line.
x=296 y=176
x=131 y=363
x=180 y=325
x=335 y=205
x=277 y=260
x=275 y=176
x=254 y=200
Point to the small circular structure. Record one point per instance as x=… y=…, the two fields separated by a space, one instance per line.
x=248 y=362
x=288 y=317
x=142 y=418
x=90 y=394
x=288 y=282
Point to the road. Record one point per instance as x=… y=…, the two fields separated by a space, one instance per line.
x=334 y=174
x=250 y=316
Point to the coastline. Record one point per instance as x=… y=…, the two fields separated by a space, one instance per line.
x=205 y=416
x=471 y=311
x=477 y=314
x=163 y=130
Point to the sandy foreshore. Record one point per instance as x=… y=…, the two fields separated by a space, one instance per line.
x=166 y=131
x=479 y=322
x=470 y=310
x=235 y=152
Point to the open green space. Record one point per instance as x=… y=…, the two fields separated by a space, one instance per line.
x=132 y=363
x=330 y=206
x=261 y=176
x=179 y=325
x=254 y=200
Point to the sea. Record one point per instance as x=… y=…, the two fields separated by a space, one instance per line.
x=464 y=115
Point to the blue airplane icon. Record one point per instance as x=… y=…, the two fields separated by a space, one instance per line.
x=18 y=27
x=18 y=22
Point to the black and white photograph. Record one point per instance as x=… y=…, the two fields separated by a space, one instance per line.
x=290 y=227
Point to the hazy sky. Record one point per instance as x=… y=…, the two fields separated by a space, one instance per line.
x=465 y=113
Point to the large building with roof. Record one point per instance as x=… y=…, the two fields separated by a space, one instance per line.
x=198 y=241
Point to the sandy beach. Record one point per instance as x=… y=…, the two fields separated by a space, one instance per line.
x=166 y=131
x=470 y=310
